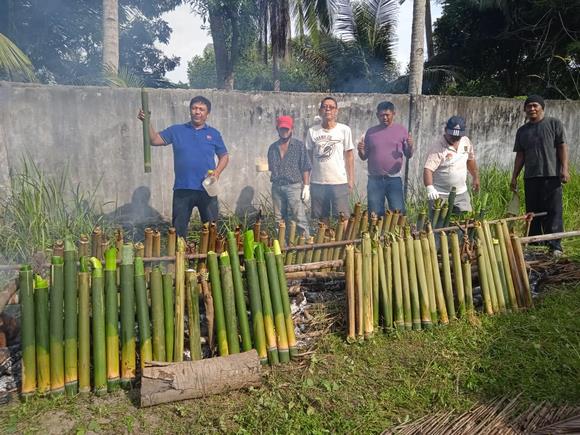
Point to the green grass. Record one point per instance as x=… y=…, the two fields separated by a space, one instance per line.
x=361 y=388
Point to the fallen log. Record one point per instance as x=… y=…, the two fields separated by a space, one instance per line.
x=170 y=382
x=315 y=275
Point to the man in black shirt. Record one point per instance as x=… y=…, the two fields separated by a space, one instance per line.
x=541 y=148
x=290 y=167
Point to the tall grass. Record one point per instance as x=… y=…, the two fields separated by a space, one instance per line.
x=41 y=208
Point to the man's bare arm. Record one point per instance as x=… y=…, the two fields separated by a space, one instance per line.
x=562 y=151
x=223 y=161
x=518 y=165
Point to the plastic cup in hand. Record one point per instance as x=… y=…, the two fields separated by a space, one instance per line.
x=210 y=184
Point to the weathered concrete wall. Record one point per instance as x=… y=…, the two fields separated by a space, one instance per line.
x=97 y=132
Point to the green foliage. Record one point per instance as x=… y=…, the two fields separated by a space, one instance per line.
x=14 y=64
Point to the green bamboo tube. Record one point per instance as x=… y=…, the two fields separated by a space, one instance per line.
x=168 y=315
x=375 y=281
x=359 y=297
x=229 y=301
x=388 y=258
x=387 y=221
x=319 y=239
x=350 y=292
x=501 y=270
x=442 y=215
x=489 y=274
x=241 y=309
x=57 y=326
x=329 y=254
x=267 y=310
x=439 y=297
x=218 y=303
x=436 y=213
x=429 y=274
x=498 y=284
x=521 y=262
x=302 y=252
x=399 y=316
x=139 y=250
x=290 y=255
x=413 y=280
x=446 y=270
x=84 y=366
x=282 y=234
x=309 y=252
x=285 y=298
x=127 y=316
x=457 y=273
x=70 y=318
x=367 y=301
x=468 y=287
x=145 y=346
x=146 y=138
x=383 y=286
x=450 y=205
x=98 y=338
x=157 y=318
x=406 y=290
x=483 y=277
x=356 y=221
x=423 y=285
x=277 y=305
x=112 y=319
x=194 y=320
x=179 y=300
x=421 y=220
x=255 y=297
x=28 y=331
x=325 y=251
x=507 y=266
x=517 y=279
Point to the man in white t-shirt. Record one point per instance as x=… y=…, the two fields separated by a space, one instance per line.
x=331 y=149
x=448 y=161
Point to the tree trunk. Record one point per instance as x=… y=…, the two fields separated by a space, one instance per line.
x=429 y=30
x=169 y=382
x=111 y=36
x=217 y=28
x=417 y=50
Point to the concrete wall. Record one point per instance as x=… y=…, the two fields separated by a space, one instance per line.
x=96 y=131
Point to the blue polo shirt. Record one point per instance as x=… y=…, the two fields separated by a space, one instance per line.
x=194 y=152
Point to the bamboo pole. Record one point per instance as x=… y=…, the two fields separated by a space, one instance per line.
x=387 y=222
x=57 y=326
x=98 y=336
x=266 y=305
x=96 y=241
x=350 y=292
x=507 y=266
x=388 y=257
x=156 y=249
x=502 y=272
x=241 y=309
x=179 y=300
x=146 y=138
x=229 y=303
x=339 y=235
x=157 y=318
x=58 y=248
x=375 y=283
x=127 y=316
x=440 y=299
x=516 y=277
x=383 y=286
x=209 y=310
x=145 y=347
x=450 y=205
x=148 y=246
x=218 y=304
x=27 y=331
x=301 y=253
x=423 y=286
x=405 y=281
x=498 y=284
x=316 y=256
x=487 y=270
x=430 y=278
x=211 y=246
x=483 y=277
x=359 y=299
x=367 y=301
x=413 y=280
x=521 y=262
x=84 y=366
x=446 y=270
x=399 y=317
x=468 y=287
x=171 y=248
x=458 y=273
x=192 y=296
x=289 y=323
x=70 y=318
x=279 y=320
x=84 y=246
x=356 y=221
x=168 y=315
x=112 y=319
x=292 y=231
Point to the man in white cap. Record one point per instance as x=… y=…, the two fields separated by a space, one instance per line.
x=448 y=161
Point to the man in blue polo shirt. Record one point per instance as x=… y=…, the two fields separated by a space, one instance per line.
x=195 y=145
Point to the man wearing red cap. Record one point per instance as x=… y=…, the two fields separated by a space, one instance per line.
x=290 y=168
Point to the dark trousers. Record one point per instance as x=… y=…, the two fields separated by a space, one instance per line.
x=184 y=200
x=545 y=194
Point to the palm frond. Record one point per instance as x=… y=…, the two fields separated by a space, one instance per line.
x=14 y=62
x=122 y=79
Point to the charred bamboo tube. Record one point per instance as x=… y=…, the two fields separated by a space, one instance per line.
x=289 y=323
x=146 y=138
x=145 y=347
x=212 y=237
x=339 y=235
x=468 y=287
x=264 y=238
x=218 y=303
x=383 y=286
x=367 y=277
x=157 y=318
x=292 y=231
x=413 y=280
x=282 y=234
x=514 y=268
x=497 y=282
x=156 y=243
x=350 y=292
x=148 y=243
x=179 y=300
x=405 y=285
x=521 y=262
x=359 y=298
x=489 y=274
x=139 y=250
x=402 y=222
x=309 y=252
x=84 y=246
x=96 y=241
x=349 y=228
x=127 y=316
x=507 y=266
x=70 y=318
x=421 y=220
x=446 y=270
x=168 y=315
x=241 y=309
x=399 y=317
x=319 y=239
x=229 y=303
x=429 y=272
x=483 y=277
x=450 y=205
x=423 y=286
x=301 y=253
x=375 y=281
x=388 y=313
x=28 y=332
x=356 y=221
x=255 y=297
x=443 y=316
x=98 y=317
x=364 y=222
x=41 y=317
x=119 y=239
x=58 y=249
x=111 y=319
x=457 y=272
x=329 y=254
x=84 y=366
x=279 y=320
x=266 y=306
x=57 y=326
x=257 y=229
x=192 y=296
x=395 y=221
x=387 y=221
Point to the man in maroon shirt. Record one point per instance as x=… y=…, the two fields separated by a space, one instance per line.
x=385 y=146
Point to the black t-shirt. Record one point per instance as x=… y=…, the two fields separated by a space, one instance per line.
x=538 y=142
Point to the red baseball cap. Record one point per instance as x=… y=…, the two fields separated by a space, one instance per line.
x=284 y=122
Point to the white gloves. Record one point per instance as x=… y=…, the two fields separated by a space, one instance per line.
x=432 y=193
x=306 y=193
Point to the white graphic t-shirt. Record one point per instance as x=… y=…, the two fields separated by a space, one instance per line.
x=328 y=166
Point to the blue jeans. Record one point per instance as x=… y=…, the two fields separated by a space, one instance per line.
x=288 y=205
x=378 y=188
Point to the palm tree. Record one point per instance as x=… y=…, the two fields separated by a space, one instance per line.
x=13 y=62
x=111 y=36
x=417 y=50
